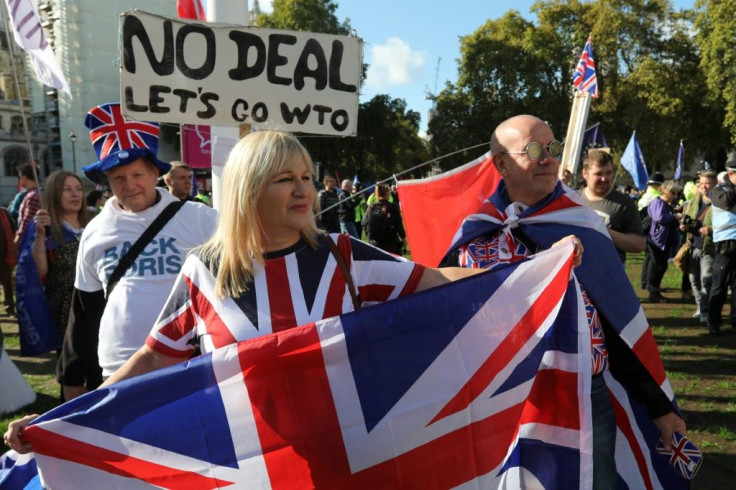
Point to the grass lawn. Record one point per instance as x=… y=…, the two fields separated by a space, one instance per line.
x=701 y=368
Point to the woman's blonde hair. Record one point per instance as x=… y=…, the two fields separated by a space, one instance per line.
x=669 y=185
x=53 y=188
x=236 y=243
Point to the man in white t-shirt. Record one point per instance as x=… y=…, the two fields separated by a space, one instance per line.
x=106 y=327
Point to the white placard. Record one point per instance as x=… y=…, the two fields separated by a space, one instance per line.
x=174 y=70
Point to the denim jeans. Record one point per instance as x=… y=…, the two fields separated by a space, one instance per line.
x=700 y=269
x=604 y=436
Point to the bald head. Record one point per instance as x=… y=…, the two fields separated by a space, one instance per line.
x=527 y=181
x=511 y=129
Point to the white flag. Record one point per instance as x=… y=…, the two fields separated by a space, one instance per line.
x=30 y=36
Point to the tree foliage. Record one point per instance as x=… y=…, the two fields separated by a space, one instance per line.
x=305 y=15
x=649 y=74
x=716 y=38
x=388 y=134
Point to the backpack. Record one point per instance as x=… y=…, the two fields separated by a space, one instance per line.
x=646 y=220
x=377 y=223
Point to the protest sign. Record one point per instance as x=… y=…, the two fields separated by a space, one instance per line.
x=181 y=71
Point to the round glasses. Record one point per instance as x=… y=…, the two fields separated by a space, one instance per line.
x=534 y=150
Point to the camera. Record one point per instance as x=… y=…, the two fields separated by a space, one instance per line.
x=692 y=222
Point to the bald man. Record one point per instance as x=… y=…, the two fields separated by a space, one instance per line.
x=537 y=212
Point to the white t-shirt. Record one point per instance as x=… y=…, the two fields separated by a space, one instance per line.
x=137 y=299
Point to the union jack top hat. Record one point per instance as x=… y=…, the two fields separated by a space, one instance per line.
x=119 y=141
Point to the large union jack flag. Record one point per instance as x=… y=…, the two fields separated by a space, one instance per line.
x=475 y=384
x=111 y=132
x=584 y=77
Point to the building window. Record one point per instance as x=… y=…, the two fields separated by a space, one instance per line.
x=14 y=157
x=16 y=125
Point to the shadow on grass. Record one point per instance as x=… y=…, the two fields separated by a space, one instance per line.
x=44 y=365
x=719 y=468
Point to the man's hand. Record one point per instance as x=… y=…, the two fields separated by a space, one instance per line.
x=669 y=424
x=578 y=257
x=13 y=438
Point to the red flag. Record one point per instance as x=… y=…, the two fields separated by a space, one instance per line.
x=433 y=208
x=190 y=9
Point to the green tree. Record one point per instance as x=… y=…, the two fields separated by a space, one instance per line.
x=716 y=38
x=387 y=142
x=508 y=67
x=648 y=68
x=388 y=134
x=305 y=15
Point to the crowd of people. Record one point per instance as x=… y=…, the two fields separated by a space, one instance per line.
x=151 y=262
x=671 y=223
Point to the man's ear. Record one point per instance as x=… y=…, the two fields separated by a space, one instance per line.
x=499 y=163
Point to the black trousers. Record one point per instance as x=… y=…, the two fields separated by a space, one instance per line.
x=724 y=266
x=645 y=267
x=656 y=267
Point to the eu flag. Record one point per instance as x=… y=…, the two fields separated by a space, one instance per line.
x=633 y=161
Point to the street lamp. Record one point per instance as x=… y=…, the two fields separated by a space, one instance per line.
x=73 y=139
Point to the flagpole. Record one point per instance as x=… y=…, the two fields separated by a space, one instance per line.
x=6 y=20
x=575 y=131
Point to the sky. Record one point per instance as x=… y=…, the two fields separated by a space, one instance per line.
x=406 y=41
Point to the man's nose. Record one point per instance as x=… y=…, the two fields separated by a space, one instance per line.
x=547 y=158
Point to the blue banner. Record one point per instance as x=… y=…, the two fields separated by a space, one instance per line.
x=38 y=334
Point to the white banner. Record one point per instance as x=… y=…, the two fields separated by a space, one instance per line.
x=29 y=35
x=180 y=71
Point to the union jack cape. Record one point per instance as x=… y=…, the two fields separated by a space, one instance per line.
x=560 y=214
